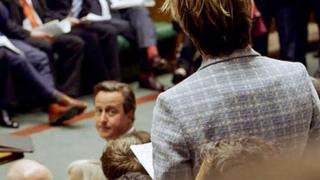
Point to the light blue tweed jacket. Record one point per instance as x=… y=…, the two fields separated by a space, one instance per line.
x=244 y=94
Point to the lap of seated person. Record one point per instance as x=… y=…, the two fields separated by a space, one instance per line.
x=33 y=70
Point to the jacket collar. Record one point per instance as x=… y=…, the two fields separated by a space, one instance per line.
x=131 y=130
x=246 y=52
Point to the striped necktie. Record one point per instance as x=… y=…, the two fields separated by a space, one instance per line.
x=29 y=13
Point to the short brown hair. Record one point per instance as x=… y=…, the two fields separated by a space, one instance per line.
x=123 y=88
x=217 y=27
x=118 y=159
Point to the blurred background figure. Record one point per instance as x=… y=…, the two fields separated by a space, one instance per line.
x=27 y=169
x=85 y=170
x=118 y=159
x=285 y=15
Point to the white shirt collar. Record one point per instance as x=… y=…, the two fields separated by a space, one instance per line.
x=132 y=129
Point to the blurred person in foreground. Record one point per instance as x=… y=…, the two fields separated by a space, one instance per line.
x=251 y=158
x=230 y=158
x=235 y=92
x=119 y=162
x=27 y=169
x=85 y=170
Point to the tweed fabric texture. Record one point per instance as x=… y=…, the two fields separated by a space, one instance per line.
x=244 y=94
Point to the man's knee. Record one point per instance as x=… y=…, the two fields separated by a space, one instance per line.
x=69 y=43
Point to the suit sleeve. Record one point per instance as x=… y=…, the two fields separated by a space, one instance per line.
x=8 y=27
x=48 y=14
x=16 y=31
x=171 y=156
x=59 y=6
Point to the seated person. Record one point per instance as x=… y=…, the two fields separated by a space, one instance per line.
x=118 y=159
x=115 y=106
x=27 y=169
x=101 y=52
x=85 y=170
x=231 y=158
x=114 y=112
x=32 y=68
x=21 y=21
x=133 y=23
x=188 y=59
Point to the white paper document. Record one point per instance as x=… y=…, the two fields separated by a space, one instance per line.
x=122 y=4
x=56 y=27
x=95 y=17
x=5 y=42
x=143 y=152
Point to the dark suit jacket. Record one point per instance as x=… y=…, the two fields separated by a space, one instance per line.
x=4 y=18
x=14 y=26
x=63 y=7
x=14 y=29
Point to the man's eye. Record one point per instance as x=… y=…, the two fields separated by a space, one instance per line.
x=98 y=111
x=112 y=112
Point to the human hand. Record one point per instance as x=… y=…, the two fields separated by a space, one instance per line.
x=42 y=35
x=73 y=21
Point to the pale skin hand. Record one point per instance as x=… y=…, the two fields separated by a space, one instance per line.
x=42 y=35
x=73 y=21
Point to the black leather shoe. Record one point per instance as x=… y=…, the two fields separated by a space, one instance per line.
x=149 y=82
x=159 y=63
x=6 y=121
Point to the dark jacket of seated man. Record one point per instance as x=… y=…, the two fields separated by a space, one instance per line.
x=101 y=48
x=132 y=23
x=101 y=59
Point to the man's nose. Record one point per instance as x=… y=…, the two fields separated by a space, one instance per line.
x=103 y=117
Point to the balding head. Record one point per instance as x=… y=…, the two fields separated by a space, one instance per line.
x=28 y=170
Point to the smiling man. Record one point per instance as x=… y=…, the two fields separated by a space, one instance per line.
x=114 y=109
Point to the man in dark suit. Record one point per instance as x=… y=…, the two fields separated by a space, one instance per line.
x=101 y=60
x=33 y=73
x=69 y=48
x=31 y=67
x=132 y=23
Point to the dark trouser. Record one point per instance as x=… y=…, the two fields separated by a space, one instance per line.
x=31 y=71
x=187 y=54
x=70 y=50
x=285 y=16
x=67 y=68
x=101 y=52
x=304 y=9
x=137 y=27
x=4 y=77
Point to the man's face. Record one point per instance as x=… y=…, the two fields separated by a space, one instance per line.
x=111 y=120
